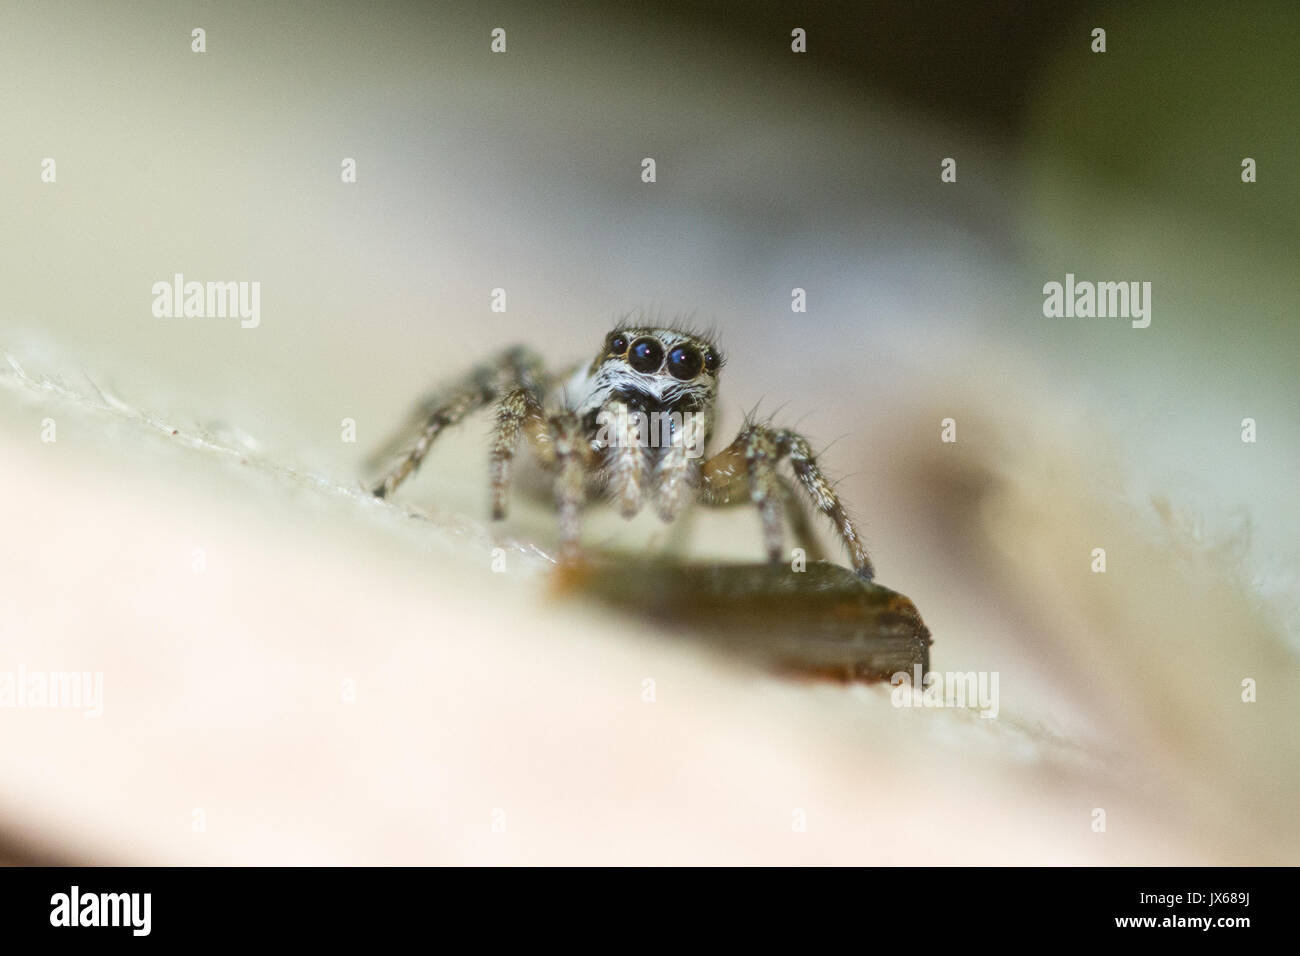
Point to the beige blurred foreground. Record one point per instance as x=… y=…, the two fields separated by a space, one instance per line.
x=294 y=673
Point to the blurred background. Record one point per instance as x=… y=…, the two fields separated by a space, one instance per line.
x=522 y=171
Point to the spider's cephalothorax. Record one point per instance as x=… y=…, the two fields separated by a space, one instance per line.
x=633 y=426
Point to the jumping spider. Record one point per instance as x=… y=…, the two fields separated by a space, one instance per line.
x=588 y=427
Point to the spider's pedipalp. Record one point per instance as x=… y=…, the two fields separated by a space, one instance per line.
x=677 y=471
x=626 y=459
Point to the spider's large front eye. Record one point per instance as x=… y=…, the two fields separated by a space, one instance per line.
x=684 y=363
x=617 y=344
x=646 y=355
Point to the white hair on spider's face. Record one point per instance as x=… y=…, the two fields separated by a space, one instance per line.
x=649 y=370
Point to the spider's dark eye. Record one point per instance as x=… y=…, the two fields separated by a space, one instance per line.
x=684 y=363
x=646 y=355
x=712 y=360
x=618 y=343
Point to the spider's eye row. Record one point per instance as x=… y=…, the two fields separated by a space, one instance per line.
x=712 y=360
x=618 y=343
x=646 y=355
x=684 y=363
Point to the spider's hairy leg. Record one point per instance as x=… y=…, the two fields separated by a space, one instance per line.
x=800 y=525
x=514 y=367
x=824 y=499
x=626 y=457
x=753 y=456
x=726 y=484
x=450 y=412
x=573 y=456
x=745 y=471
x=519 y=412
x=677 y=473
x=762 y=454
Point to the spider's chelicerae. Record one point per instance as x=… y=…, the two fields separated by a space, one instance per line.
x=633 y=426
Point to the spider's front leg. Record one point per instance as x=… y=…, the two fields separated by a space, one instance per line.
x=755 y=454
x=561 y=446
x=515 y=368
x=574 y=456
x=729 y=487
x=519 y=413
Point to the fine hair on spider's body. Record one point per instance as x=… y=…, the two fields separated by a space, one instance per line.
x=632 y=426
